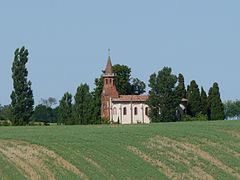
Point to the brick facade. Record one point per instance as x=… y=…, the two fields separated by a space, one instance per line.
x=109 y=90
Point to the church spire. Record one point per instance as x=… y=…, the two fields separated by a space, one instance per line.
x=108 y=70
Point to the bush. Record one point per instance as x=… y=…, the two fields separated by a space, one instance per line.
x=35 y=123
x=105 y=121
x=5 y=123
x=198 y=117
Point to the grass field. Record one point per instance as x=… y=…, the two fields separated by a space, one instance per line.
x=192 y=150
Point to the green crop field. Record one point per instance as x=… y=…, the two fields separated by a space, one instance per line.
x=191 y=150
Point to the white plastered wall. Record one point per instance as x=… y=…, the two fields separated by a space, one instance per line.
x=117 y=112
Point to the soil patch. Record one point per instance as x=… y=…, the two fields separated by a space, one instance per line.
x=200 y=153
x=32 y=159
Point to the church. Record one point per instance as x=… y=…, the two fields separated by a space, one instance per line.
x=122 y=109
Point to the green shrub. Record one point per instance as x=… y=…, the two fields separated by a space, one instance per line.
x=5 y=123
x=105 y=121
x=198 y=117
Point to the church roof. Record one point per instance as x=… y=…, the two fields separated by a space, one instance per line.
x=131 y=98
x=108 y=69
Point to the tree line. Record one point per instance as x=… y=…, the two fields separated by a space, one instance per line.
x=166 y=93
x=85 y=106
x=232 y=109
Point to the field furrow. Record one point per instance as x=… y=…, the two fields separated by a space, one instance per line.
x=31 y=159
x=191 y=150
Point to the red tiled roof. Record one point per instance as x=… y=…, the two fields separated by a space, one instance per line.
x=134 y=98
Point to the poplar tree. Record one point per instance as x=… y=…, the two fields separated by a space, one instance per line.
x=209 y=103
x=83 y=105
x=123 y=75
x=96 y=94
x=22 y=94
x=194 y=99
x=204 y=102
x=216 y=107
x=65 y=109
x=180 y=89
x=163 y=100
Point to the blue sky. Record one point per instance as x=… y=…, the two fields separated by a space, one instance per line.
x=68 y=41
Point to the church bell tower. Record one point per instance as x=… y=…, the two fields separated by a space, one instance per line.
x=109 y=90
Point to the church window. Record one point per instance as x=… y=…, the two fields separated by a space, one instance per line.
x=106 y=81
x=135 y=111
x=114 y=110
x=124 y=111
x=146 y=111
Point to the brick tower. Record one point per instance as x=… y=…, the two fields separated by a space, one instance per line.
x=109 y=90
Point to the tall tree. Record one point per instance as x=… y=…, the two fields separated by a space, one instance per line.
x=163 y=100
x=83 y=105
x=194 y=99
x=138 y=87
x=216 y=108
x=97 y=100
x=123 y=74
x=204 y=102
x=65 y=109
x=22 y=94
x=180 y=89
x=209 y=103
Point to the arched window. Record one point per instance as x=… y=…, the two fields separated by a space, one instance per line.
x=135 y=111
x=114 y=110
x=146 y=111
x=124 y=111
x=106 y=81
